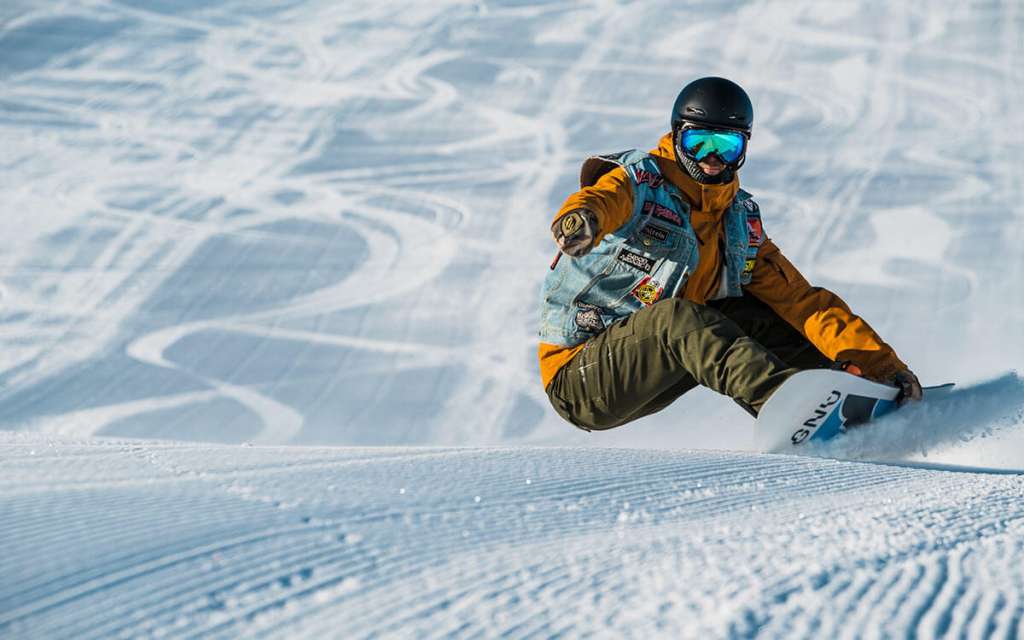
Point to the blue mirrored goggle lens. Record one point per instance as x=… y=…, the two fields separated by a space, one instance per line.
x=700 y=143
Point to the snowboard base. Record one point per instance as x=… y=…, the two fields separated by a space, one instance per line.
x=818 y=405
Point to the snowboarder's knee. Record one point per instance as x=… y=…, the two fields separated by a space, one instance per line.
x=685 y=312
x=677 y=306
x=675 y=317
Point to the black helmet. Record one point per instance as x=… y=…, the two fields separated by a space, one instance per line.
x=716 y=102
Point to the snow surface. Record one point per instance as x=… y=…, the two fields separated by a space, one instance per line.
x=120 y=538
x=231 y=226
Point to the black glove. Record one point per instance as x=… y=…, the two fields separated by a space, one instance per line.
x=574 y=232
x=910 y=387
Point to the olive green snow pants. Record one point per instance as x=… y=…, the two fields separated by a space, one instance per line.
x=738 y=347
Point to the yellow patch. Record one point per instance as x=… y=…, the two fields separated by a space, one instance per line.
x=647 y=292
x=571 y=223
x=749 y=267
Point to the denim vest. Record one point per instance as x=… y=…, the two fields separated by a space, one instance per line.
x=645 y=260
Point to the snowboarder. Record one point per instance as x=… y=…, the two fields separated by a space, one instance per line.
x=671 y=282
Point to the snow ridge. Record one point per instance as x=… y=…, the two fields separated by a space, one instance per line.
x=111 y=538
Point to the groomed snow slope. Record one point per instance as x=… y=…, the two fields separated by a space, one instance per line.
x=325 y=223
x=316 y=222
x=119 y=538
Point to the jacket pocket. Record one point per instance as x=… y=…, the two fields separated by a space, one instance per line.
x=656 y=239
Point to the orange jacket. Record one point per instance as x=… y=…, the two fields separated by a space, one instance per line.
x=819 y=314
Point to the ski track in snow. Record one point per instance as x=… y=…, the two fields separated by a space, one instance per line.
x=523 y=542
x=349 y=210
x=326 y=224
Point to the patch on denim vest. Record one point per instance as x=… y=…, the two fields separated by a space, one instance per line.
x=654 y=231
x=755 y=230
x=662 y=212
x=648 y=291
x=648 y=177
x=636 y=260
x=588 y=318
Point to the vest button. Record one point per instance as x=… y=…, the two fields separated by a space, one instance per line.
x=647 y=242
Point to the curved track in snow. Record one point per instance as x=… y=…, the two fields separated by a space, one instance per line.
x=175 y=540
x=325 y=223
x=313 y=224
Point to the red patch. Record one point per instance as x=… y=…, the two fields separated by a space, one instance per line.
x=652 y=208
x=647 y=177
x=755 y=231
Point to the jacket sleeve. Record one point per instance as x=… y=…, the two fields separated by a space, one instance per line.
x=822 y=316
x=610 y=198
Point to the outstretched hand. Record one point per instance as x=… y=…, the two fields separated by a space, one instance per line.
x=574 y=232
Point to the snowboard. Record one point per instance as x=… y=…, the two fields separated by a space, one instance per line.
x=820 y=404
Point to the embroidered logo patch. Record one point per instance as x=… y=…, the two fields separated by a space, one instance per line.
x=588 y=318
x=662 y=213
x=749 y=266
x=571 y=223
x=636 y=260
x=751 y=206
x=654 y=231
x=755 y=231
x=648 y=291
x=648 y=177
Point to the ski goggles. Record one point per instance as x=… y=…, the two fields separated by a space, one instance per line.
x=698 y=144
